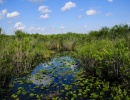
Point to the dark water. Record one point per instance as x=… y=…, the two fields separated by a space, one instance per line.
x=47 y=80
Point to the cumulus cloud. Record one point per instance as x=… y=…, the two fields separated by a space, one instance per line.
x=68 y=6
x=36 y=29
x=44 y=9
x=36 y=1
x=10 y=21
x=109 y=14
x=13 y=14
x=62 y=27
x=45 y=16
x=128 y=23
x=110 y=0
x=19 y=26
x=80 y=16
x=91 y=12
x=1 y=1
x=81 y=9
x=85 y=26
x=2 y=13
x=10 y=28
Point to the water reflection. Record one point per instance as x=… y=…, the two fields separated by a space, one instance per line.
x=47 y=78
x=57 y=66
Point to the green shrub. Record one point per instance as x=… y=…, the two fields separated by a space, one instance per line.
x=106 y=59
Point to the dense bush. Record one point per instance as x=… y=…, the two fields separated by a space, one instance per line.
x=18 y=55
x=104 y=54
x=106 y=59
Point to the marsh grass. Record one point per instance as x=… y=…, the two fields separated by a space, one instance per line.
x=103 y=56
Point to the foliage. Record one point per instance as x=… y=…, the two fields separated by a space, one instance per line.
x=104 y=56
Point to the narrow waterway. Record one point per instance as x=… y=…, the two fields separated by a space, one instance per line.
x=46 y=81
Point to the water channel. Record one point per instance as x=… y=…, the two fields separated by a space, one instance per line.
x=46 y=81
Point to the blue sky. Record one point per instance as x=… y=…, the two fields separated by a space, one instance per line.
x=61 y=16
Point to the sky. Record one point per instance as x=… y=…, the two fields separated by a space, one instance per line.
x=62 y=16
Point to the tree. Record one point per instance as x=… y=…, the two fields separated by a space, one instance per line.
x=0 y=30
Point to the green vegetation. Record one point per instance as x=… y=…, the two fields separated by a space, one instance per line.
x=104 y=62
x=0 y=30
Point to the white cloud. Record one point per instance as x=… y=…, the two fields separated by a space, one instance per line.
x=10 y=21
x=19 y=26
x=81 y=9
x=2 y=13
x=36 y=1
x=85 y=26
x=128 y=23
x=62 y=27
x=45 y=16
x=36 y=29
x=10 y=28
x=68 y=6
x=44 y=9
x=109 y=14
x=13 y=14
x=110 y=0
x=91 y=12
x=80 y=16
x=1 y=1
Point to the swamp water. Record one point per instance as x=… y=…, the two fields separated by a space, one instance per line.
x=46 y=81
